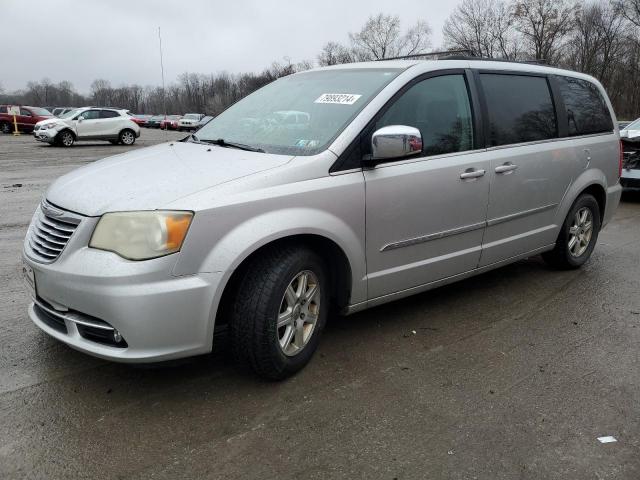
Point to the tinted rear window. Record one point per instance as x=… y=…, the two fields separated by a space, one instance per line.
x=587 y=111
x=109 y=114
x=520 y=108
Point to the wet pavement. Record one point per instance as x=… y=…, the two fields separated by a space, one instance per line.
x=511 y=374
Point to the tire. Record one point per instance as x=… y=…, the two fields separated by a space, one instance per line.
x=578 y=235
x=5 y=127
x=127 y=137
x=272 y=290
x=65 y=138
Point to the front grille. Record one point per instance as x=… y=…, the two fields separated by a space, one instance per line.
x=50 y=232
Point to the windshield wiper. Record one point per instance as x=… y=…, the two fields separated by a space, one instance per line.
x=221 y=142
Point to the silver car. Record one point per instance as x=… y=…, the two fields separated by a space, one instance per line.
x=405 y=175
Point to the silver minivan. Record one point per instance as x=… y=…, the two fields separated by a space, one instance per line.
x=395 y=178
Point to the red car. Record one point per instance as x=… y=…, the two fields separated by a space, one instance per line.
x=170 y=122
x=140 y=119
x=28 y=117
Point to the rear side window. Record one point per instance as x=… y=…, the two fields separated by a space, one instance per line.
x=587 y=111
x=109 y=114
x=439 y=107
x=520 y=108
x=3 y=109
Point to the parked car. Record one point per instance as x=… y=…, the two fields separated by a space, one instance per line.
x=630 y=136
x=140 y=119
x=26 y=121
x=190 y=121
x=410 y=175
x=204 y=120
x=154 y=121
x=58 y=111
x=170 y=122
x=88 y=123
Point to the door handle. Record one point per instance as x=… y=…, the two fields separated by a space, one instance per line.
x=471 y=173
x=506 y=168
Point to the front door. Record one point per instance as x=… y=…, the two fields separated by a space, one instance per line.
x=89 y=126
x=425 y=216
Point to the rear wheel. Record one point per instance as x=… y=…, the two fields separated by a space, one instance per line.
x=5 y=127
x=127 y=137
x=578 y=235
x=279 y=311
x=66 y=138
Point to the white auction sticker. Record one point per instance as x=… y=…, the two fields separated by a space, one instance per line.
x=338 y=98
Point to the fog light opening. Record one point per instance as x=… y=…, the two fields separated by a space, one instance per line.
x=116 y=336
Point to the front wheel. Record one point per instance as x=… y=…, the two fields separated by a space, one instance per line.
x=127 y=137
x=578 y=235
x=279 y=311
x=66 y=138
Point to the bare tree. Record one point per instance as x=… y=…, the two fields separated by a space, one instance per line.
x=544 y=24
x=630 y=9
x=381 y=37
x=482 y=27
x=334 y=53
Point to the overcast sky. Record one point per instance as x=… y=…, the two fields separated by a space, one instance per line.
x=81 y=40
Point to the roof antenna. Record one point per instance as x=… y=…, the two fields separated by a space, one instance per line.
x=164 y=96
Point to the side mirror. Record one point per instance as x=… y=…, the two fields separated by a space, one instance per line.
x=624 y=133
x=81 y=118
x=394 y=142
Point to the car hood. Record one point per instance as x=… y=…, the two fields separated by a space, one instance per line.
x=51 y=121
x=149 y=178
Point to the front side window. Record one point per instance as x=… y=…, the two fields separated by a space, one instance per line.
x=299 y=114
x=91 y=114
x=24 y=112
x=520 y=108
x=587 y=112
x=439 y=107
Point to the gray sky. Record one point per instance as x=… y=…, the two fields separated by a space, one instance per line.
x=81 y=40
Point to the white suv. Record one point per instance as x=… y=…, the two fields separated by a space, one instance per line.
x=88 y=123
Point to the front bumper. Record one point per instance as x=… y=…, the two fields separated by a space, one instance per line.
x=159 y=315
x=47 y=136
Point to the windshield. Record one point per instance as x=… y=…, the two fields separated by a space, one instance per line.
x=299 y=114
x=635 y=125
x=40 y=111
x=70 y=113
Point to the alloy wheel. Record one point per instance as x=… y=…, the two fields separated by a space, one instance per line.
x=299 y=312
x=580 y=232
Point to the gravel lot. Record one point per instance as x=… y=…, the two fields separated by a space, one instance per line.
x=512 y=374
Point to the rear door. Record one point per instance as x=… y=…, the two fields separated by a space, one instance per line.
x=25 y=120
x=531 y=168
x=110 y=123
x=426 y=215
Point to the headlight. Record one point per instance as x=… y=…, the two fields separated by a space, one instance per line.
x=141 y=235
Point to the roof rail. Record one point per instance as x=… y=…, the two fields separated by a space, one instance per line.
x=463 y=55
x=431 y=55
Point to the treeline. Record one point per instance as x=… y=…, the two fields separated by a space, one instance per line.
x=600 y=38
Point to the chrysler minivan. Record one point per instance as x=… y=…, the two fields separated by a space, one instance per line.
x=405 y=175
